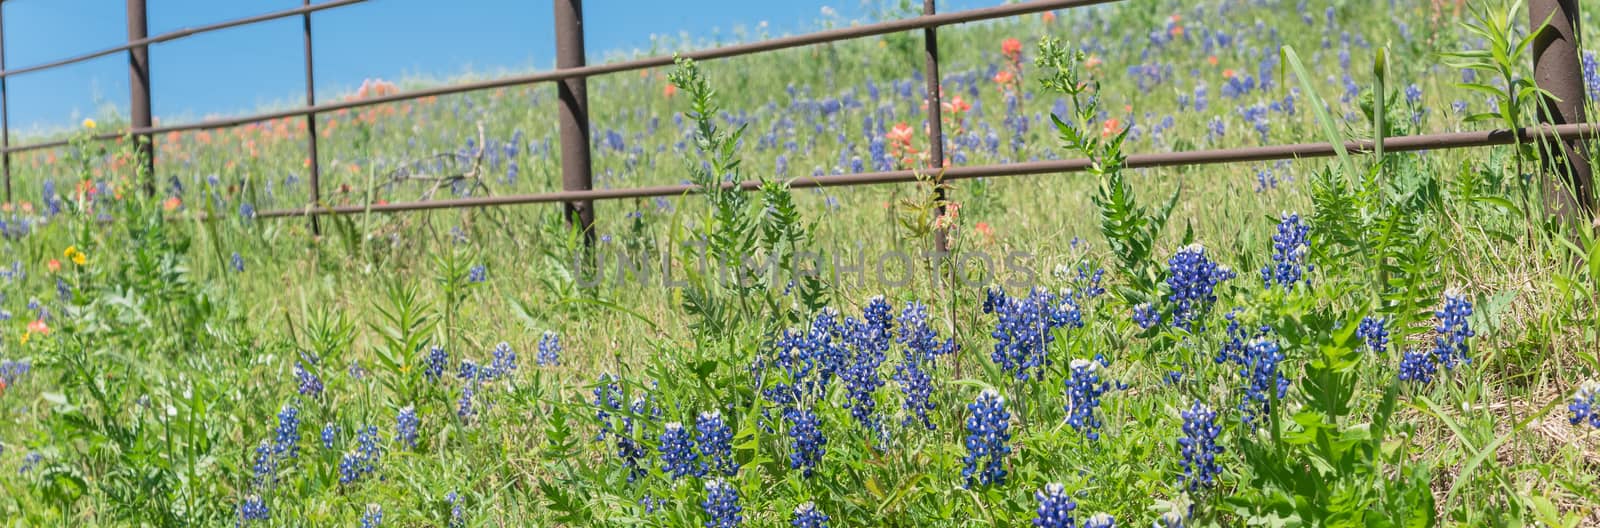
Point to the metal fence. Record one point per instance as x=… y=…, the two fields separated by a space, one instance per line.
x=1555 y=56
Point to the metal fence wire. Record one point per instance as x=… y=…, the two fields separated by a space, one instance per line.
x=1556 y=67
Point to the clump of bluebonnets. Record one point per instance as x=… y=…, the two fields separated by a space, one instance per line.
x=1192 y=279
x=1025 y=328
x=1374 y=333
x=1449 y=345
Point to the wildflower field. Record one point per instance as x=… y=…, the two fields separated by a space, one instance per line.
x=1399 y=339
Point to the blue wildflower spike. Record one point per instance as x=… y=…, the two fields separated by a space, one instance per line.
x=988 y=431
x=678 y=458
x=807 y=444
x=1055 y=507
x=549 y=350
x=1084 y=389
x=1291 y=247
x=722 y=505
x=1198 y=447
x=1582 y=406
x=716 y=444
x=807 y=516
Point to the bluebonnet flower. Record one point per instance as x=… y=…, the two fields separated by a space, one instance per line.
x=722 y=505
x=1459 y=107
x=1417 y=366
x=11 y=371
x=363 y=459
x=1291 y=245
x=265 y=467
x=1100 y=520
x=30 y=461
x=1025 y=328
x=677 y=452
x=716 y=444
x=549 y=350
x=470 y=371
x=1259 y=366
x=505 y=361
x=1170 y=520
x=1055 y=507
x=1084 y=389
x=373 y=518
x=287 y=442
x=457 y=518
x=807 y=443
x=433 y=369
x=356 y=371
x=1374 y=334
x=1146 y=316
x=1192 y=279
x=464 y=407
x=607 y=399
x=1413 y=94
x=367 y=446
x=252 y=509
x=868 y=341
x=405 y=426
x=329 y=432
x=1582 y=405
x=309 y=384
x=914 y=373
x=807 y=516
x=1199 y=447
x=477 y=274
x=238 y=262
x=807 y=359
x=1450 y=346
x=988 y=431
x=629 y=450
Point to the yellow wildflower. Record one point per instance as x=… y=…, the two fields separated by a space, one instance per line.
x=88 y=123
x=77 y=257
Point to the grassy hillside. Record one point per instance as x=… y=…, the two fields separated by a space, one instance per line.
x=1384 y=341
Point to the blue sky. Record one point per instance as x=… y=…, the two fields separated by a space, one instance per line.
x=240 y=70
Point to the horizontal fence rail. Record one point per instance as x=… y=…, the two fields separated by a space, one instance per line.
x=178 y=34
x=1421 y=142
x=820 y=37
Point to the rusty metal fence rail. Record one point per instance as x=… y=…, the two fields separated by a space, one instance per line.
x=1557 y=69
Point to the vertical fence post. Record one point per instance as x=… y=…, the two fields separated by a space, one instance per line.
x=5 y=111
x=139 y=94
x=1557 y=69
x=315 y=178
x=574 y=96
x=930 y=41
